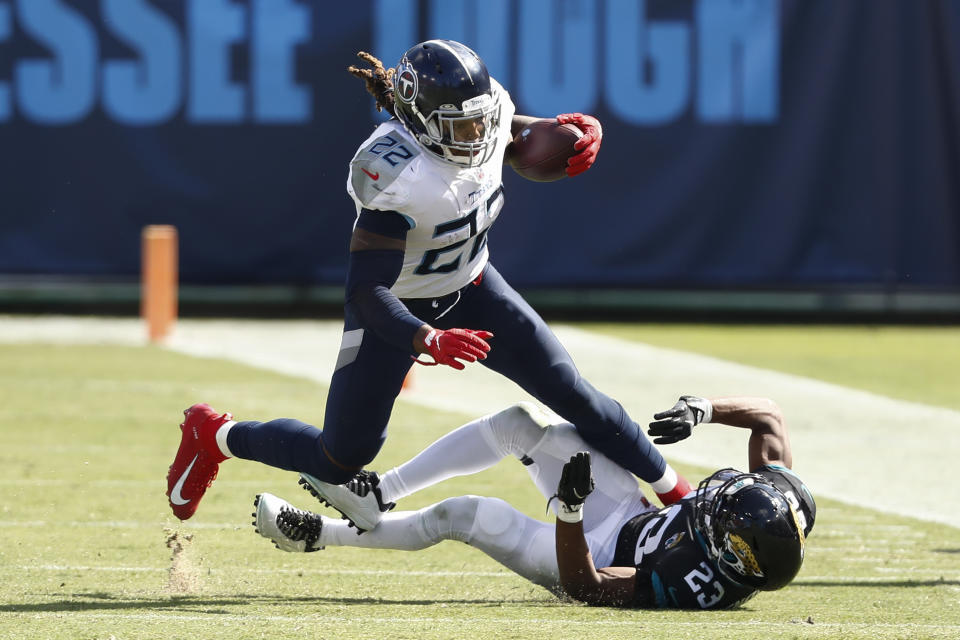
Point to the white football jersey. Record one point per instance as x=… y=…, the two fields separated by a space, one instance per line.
x=449 y=208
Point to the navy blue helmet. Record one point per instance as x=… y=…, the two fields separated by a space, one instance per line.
x=751 y=530
x=444 y=97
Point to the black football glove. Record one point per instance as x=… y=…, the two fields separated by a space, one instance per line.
x=677 y=422
x=576 y=483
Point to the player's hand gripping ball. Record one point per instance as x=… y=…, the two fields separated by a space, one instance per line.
x=541 y=150
x=588 y=146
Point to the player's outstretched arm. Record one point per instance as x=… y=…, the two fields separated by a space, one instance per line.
x=769 y=439
x=581 y=580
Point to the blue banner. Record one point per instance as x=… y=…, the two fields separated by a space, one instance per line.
x=747 y=143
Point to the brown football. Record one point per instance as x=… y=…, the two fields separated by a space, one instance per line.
x=540 y=150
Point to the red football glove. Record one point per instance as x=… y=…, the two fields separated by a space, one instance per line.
x=588 y=145
x=445 y=347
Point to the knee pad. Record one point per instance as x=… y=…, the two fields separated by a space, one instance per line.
x=517 y=429
x=536 y=414
x=450 y=519
x=474 y=519
x=497 y=520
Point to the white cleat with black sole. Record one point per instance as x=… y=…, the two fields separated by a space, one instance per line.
x=289 y=528
x=359 y=500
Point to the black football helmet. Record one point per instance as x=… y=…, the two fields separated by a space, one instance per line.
x=444 y=97
x=751 y=530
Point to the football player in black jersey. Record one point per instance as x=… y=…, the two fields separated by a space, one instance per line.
x=736 y=534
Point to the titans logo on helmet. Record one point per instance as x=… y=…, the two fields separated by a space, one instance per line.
x=406 y=87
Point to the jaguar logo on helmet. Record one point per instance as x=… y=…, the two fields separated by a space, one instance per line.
x=747 y=564
x=405 y=85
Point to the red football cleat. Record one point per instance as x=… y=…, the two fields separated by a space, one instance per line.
x=198 y=459
x=679 y=490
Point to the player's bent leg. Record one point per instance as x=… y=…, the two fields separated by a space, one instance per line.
x=362 y=393
x=368 y=377
x=515 y=431
x=294 y=445
x=522 y=544
x=617 y=490
x=450 y=519
x=369 y=374
x=600 y=419
x=531 y=355
x=474 y=447
x=286 y=443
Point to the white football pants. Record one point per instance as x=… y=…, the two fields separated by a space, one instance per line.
x=522 y=544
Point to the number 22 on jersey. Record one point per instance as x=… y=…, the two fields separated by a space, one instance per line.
x=486 y=211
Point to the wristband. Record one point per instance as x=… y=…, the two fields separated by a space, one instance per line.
x=571 y=515
x=706 y=407
x=702 y=405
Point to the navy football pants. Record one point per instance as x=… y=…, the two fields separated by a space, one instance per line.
x=370 y=375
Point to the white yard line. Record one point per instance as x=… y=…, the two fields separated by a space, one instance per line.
x=849 y=445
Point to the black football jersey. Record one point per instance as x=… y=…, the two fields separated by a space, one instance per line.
x=674 y=568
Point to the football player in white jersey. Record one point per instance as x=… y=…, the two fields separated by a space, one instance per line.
x=427 y=187
x=736 y=535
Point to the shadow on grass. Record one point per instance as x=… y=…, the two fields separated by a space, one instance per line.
x=102 y=601
x=875 y=583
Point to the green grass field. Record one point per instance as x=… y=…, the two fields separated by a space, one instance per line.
x=88 y=433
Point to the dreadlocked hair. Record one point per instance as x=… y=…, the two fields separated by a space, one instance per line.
x=378 y=79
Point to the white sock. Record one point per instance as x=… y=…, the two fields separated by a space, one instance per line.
x=222 y=437
x=666 y=482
